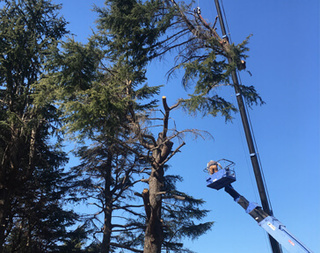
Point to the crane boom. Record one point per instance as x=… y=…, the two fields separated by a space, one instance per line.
x=248 y=133
x=223 y=178
x=269 y=223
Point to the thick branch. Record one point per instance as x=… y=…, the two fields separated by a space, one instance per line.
x=166 y=115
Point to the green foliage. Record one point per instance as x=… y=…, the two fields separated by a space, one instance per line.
x=131 y=29
x=75 y=241
x=209 y=105
x=180 y=211
x=95 y=90
x=206 y=71
x=32 y=184
x=250 y=95
x=96 y=101
x=206 y=59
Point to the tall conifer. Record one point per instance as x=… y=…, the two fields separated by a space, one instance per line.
x=133 y=32
x=32 y=183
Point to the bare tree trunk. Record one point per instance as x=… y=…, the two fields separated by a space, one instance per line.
x=160 y=155
x=154 y=231
x=32 y=151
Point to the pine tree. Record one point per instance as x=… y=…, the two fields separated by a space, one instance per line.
x=32 y=183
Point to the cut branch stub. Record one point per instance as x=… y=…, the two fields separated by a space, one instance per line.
x=145 y=196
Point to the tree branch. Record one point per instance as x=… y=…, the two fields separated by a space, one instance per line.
x=173 y=153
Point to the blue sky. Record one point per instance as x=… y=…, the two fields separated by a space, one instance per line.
x=284 y=62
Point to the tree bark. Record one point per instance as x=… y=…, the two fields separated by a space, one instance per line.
x=107 y=230
x=154 y=231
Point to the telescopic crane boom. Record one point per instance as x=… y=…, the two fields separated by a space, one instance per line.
x=223 y=177
x=249 y=137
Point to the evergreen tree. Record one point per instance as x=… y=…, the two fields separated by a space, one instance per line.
x=32 y=183
x=129 y=28
x=95 y=103
x=131 y=31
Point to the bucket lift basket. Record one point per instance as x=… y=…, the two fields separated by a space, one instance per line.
x=223 y=177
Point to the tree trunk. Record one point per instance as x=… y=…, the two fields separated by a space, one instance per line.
x=3 y=214
x=154 y=231
x=160 y=152
x=107 y=225
x=5 y=193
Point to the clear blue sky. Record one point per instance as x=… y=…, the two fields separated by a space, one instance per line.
x=284 y=62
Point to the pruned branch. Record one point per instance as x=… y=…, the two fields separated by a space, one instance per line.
x=145 y=197
x=166 y=115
